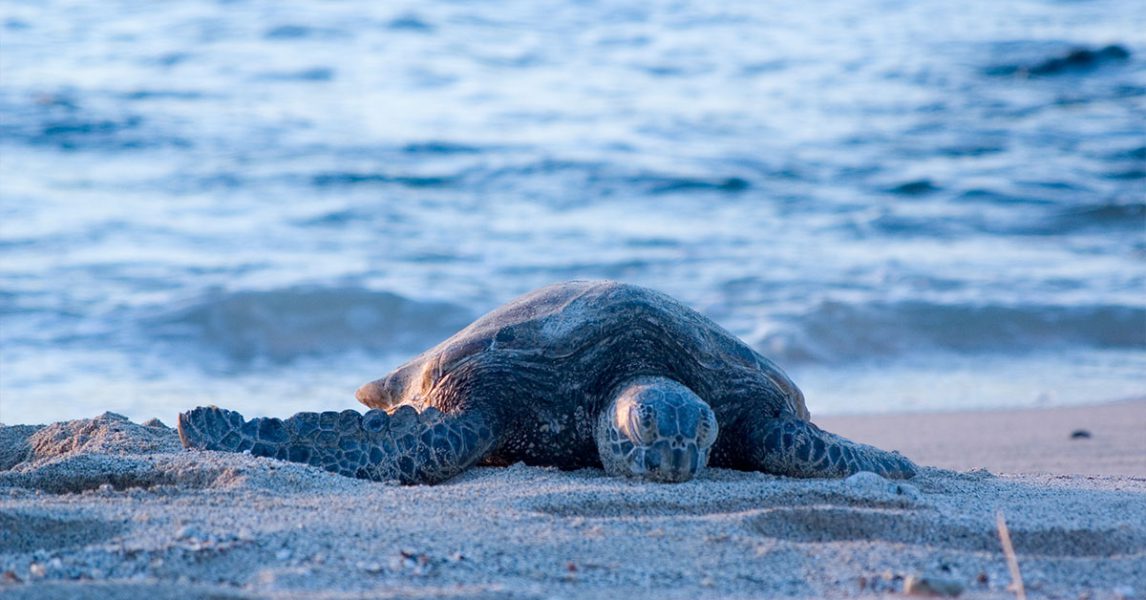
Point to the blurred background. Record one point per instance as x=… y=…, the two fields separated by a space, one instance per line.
x=262 y=204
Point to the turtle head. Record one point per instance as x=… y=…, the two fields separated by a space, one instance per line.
x=657 y=429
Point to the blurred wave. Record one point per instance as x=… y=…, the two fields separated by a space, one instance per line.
x=287 y=324
x=283 y=325
x=840 y=333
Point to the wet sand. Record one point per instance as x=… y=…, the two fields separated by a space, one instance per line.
x=107 y=508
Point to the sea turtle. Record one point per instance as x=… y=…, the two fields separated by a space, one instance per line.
x=577 y=374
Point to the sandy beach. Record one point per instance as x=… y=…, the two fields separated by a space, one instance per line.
x=108 y=508
x=1014 y=441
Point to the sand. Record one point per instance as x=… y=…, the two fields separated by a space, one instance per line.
x=107 y=508
x=1014 y=441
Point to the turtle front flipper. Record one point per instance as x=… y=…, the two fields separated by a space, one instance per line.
x=405 y=445
x=797 y=448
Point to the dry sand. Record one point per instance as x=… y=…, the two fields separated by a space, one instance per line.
x=106 y=508
x=1014 y=441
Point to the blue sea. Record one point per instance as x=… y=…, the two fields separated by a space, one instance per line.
x=260 y=204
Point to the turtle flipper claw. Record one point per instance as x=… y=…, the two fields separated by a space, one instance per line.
x=794 y=447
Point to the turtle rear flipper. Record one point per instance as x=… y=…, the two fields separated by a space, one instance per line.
x=797 y=448
x=405 y=445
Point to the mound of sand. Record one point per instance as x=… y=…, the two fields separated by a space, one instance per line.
x=111 y=453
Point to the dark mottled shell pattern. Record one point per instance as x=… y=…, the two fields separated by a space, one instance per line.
x=545 y=364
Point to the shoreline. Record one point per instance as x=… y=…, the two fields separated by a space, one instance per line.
x=108 y=508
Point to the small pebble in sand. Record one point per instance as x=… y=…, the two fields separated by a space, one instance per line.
x=882 y=583
x=871 y=485
x=188 y=532
x=414 y=563
x=372 y=568
x=867 y=481
x=1080 y=434
x=917 y=585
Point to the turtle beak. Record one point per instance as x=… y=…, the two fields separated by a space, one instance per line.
x=372 y=394
x=664 y=462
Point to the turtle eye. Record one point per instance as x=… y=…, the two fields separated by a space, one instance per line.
x=645 y=421
x=706 y=431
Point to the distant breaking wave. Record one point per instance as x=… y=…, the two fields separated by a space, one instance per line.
x=282 y=325
x=838 y=332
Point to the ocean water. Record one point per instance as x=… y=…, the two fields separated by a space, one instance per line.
x=261 y=205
